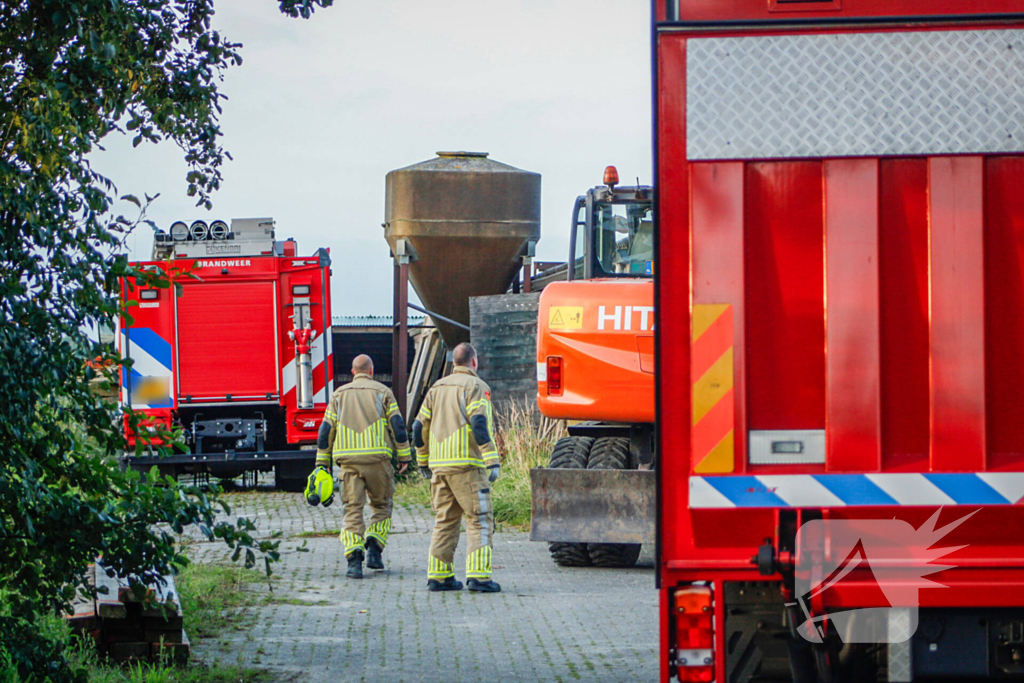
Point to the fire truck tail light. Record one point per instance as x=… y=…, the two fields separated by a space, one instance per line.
x=554 y=375
x=300 y=290
x=697 y=674
x=695 y=636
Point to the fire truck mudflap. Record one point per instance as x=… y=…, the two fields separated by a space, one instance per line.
x=839 y=324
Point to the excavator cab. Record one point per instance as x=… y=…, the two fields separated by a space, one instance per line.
x=612 y=233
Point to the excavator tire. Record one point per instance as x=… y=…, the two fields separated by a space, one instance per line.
x=570 y=453
x=611 y=453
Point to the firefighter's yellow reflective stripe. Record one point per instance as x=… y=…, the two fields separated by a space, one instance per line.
x=424 y=414
x=372 y=440
x=405 y=454
x=454 y=450
x=473 y=462
x=490 y=457
x=331 y=416
x=490 y=420
x=422 y=457
x=478 y=563
x=380 y=531
x=351 y=541
x=488 y=412
x=392 y=410
x=437 y=569
x=323 y=459
x=339 y=455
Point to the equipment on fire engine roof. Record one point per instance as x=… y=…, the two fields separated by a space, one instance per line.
x=245 y=237
x=199 y=231
x=462 y=223
x=320 y=488
x=179 y=231
x=219 y=230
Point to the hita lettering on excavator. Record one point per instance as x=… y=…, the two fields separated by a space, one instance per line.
x=624 y=317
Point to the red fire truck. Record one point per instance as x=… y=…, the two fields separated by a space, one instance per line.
x=237 y=353
x=840 y=325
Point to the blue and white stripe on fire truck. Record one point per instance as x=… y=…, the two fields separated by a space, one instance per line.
x=860 y=490
x=151 y=378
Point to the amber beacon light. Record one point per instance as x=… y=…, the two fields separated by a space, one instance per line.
x=611 y=176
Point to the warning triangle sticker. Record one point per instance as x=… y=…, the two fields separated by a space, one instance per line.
x=556 y=319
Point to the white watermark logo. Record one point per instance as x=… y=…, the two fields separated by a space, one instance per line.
x=886 y=561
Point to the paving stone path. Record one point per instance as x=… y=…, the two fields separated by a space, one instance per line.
x=547 y=624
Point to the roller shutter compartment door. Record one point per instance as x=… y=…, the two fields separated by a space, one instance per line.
x=227 y=342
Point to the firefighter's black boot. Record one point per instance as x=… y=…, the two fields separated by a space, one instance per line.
x=449 y=584
x=487 y=586
x=355 y=565
x=373 y=558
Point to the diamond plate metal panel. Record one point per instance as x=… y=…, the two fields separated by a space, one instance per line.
x=902 y=624
x=860 y=94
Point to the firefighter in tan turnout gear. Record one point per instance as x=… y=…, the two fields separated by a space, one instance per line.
x=454 y=437
x=361 y=430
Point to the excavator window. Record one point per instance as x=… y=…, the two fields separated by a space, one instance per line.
x=624 y=239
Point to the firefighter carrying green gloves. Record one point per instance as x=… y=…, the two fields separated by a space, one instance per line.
x=454 y=438
x=361 y=430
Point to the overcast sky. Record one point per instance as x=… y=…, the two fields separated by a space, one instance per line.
x=321 y=110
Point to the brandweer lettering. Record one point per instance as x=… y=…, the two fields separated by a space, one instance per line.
x=223 y=263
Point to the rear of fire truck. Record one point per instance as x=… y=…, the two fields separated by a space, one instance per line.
x=840 y=318
x=236 y=354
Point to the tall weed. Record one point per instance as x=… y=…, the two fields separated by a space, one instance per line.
x=525 y=441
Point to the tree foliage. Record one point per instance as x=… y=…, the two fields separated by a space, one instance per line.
x=71 y=73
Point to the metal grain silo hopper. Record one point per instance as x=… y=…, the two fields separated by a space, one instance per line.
x=465 y=220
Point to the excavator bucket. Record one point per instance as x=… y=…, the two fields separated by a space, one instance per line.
x=592 y=506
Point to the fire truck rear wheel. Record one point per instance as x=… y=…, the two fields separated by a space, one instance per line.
x=611 y=453
x=570 y=453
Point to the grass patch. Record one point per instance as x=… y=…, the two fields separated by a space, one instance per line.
x=412 y=490
x=209 y=595
x=214 y=597
x=524 y=442
x=326 y=533
x=159 y=673
x=299 y=602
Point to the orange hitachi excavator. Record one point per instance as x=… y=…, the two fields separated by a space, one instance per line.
x=594 y=503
